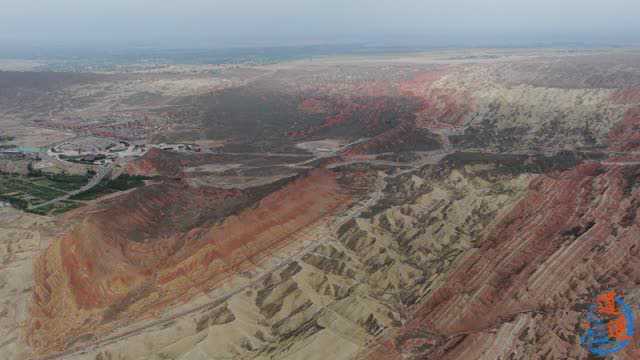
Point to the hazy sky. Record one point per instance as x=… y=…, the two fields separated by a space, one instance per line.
x=227 y=22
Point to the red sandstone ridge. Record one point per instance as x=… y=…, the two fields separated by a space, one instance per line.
x=156 y=162
x=441 y=108
x=313 y=106
x=395 y=120
x=445 y=108
x=171 y=243
x=419 y=84
x=625 y=136
x=361 y=115
x=397 y=117
x=569 y=236
x=626 y=96
x=404 y=137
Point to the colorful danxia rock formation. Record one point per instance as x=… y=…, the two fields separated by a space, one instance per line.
x=472 y=205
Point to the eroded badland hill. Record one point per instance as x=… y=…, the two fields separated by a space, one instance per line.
x=454 y=205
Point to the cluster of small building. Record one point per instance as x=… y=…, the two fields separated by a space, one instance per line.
x=19 y=154
x=112 y=152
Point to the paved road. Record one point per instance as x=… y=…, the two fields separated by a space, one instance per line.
x=100 y=174
x=269 y=154
x=279 y=263
x=296 y=254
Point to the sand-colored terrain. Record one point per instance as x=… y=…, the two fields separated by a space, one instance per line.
x=450 y=205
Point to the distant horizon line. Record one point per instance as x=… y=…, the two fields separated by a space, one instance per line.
x=319 y=47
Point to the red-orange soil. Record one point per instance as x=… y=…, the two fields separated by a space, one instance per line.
x=552 y=247
x=161 y=245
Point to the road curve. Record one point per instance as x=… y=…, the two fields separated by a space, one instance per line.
x=100 y=175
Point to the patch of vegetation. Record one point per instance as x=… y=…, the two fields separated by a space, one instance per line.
x=62 y=181
x=68 y=182
x=401 y=156
x=7 y=146
x=83 y=159
x=5 y=139
x=55 y=209
x=16 y=202
x=631 y=176
x=27 y=189
x=52 y=209
x=41 y=210
x=109 y=186
x=37 y=187
x=487 y=135
x=522 y=163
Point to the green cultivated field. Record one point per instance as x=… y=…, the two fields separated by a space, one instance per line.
x=37 y=187
x=108 y=186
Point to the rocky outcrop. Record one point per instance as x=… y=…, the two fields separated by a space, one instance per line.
x=380 y=251
x=403 y=138
x=170 y=244
x=156 y=162
x=567 y=238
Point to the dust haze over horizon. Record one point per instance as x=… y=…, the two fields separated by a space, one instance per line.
x=201 y=23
